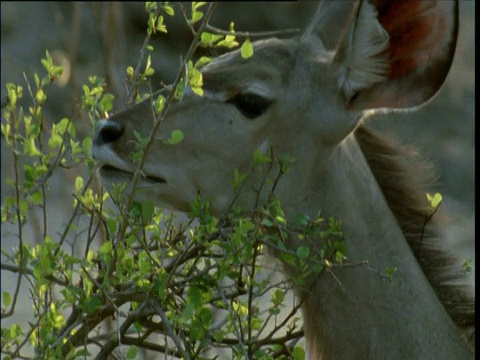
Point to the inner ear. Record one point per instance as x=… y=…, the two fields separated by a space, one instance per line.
x=362 y=56
x=410 y=67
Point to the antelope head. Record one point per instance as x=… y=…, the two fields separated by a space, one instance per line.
x=301 y=97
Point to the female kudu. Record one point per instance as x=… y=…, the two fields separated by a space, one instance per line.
x=309 y=97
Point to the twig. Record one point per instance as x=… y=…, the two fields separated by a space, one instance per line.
x=170 y=331
x=70 y=221
x=248 y=34
x=428 y=218
x=251 y=295
x=21 y=270
x=129 y=96
x=238 y=331
x=159 y=119
x=10 y=312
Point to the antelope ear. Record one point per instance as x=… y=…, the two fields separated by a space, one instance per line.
x=331 y=23
x=397 y=53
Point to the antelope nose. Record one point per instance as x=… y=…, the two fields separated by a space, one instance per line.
x=108 y=131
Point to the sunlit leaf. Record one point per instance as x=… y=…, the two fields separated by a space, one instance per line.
x=176 y=137
x=247 y=49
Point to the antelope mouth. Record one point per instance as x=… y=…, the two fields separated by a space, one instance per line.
x=114 y=173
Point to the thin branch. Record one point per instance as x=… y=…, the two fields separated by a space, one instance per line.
x=170 y=331
x=238 y=331
x=247 y=34
x=129 y=97
x=70 y=221
x=428 y=218
x=20 y=270
x=251 y=295
x=158 y=121
x=117 y=340
x=10 y=312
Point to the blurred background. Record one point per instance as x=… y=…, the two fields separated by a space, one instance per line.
x=104 y=38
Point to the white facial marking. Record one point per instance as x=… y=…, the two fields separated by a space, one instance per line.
x=264 y=146
x=106 y=156
x=260 y=89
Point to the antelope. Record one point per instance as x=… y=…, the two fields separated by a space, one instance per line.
x=310 y=97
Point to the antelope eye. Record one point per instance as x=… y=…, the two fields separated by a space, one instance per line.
x=250 y=105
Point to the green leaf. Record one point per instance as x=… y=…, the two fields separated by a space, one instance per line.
x=150 y=6
x=238 y=179
x=288 y=258
x=286 y=160
x=298 y=353
x=159 y=104
x=79 y=183
x=136 y=210
x=179 y=90
x=197 y=5
x=29 y=173
x=176 y=137
x=106 y=248
x=467 y=265
x=87 y=145
x=228 y=42
x=278 y=297
x=91 y=304
x=195 y=296
x=197 y=15
x=47 y=63
x=106 y=103
x=301 y=220
x=202 y=61
x=339 y=257
x=149 y=62
x=132 y=352
x=197 y=90
x=152 y=18
x=160 y=285
x=75 y=146
x=389 y=272
x=31 y=148
x=210 y=39
x=195 y=78
x=143 y=141
x=15 y=331
x=303 y=252
x=187 y=312
x=168 y=10
x=240 y=308
x=12 y=97
x=161 y=26
x=37 y=197
x=260 y=158
x=40 y=96
x=112 y=226
x=147 y=210
x=247 y=49
x=267 y=222
x=144 y=263
x=130 y=73
x=435 y=200
x=7 y=298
